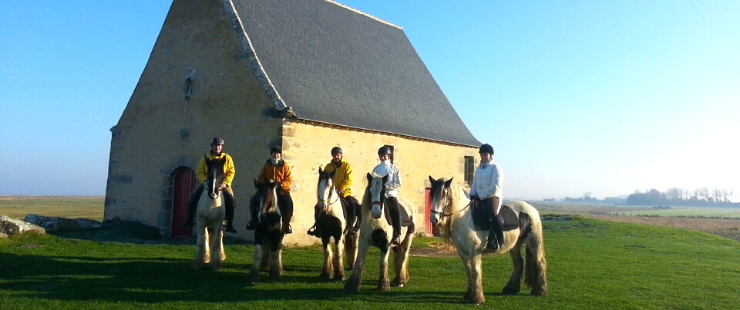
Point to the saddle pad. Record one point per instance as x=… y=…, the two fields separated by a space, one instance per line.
x=404 y=216
x=481 y=217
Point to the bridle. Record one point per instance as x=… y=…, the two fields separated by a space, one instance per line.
x=442 y=214
x=328 y=200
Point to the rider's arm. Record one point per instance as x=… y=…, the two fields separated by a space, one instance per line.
x=228 y=171
x=201 y=170
x=395 y=183
x=287 y=178
x=262 y=177
x=347 y=182
x=497 y=176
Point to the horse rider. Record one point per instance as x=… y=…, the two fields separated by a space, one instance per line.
x=278 y=170
x=391 y=190
x=486 y=188
x=342 y=183
x=217 y=146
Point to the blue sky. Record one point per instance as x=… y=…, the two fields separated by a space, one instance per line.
x=606 y=97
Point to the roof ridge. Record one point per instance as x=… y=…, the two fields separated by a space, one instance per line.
x=363 y=13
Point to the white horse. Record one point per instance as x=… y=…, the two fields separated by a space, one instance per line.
x=332 y=224
x=451 y=212
x=209 y=216
x=268 y=235
x=375 y=230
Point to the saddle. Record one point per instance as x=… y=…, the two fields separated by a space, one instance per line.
x=403 y=215
x=482 y=222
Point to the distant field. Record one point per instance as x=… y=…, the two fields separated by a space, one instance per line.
x=64 y=206
x=719 y=221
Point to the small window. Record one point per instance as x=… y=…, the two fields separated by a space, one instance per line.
x=469 y=169
x=393 y=152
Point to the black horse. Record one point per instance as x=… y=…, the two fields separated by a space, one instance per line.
x=268 y=236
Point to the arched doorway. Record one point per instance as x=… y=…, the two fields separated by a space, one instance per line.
x=184 y=183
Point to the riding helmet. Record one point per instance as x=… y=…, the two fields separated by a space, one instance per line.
x=486 y=148
x=384 y=151
x=217 y=141
x=276 y=149
x=336 y=150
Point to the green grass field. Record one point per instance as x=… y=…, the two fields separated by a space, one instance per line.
x=591 y=265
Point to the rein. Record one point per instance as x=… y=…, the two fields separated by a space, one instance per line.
x=328 y=200
x=442 y=214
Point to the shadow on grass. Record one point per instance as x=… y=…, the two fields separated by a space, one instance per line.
x=155 y=280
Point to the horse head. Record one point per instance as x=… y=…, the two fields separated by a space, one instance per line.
x=441 y=198
x=376 y=191
x=215 y=176
x=325 y=189
x=267 y=192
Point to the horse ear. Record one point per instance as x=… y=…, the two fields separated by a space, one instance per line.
x=331 y=175
x=369 y=177
x=431 y=179
x=320 y=170
x=385 y=179
x=447 y=184
x=255 y=182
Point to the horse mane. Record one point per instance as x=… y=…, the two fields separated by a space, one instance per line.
x=455 y=194
x=366 y=196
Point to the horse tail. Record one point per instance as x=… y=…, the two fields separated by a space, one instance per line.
x=535 y=264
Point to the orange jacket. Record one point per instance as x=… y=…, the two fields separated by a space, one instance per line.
x=280 y=173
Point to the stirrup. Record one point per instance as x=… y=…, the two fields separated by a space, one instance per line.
x=313 y=231
x=250 y=225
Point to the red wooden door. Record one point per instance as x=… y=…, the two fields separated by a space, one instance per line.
x=184 y=184
x=429 y=229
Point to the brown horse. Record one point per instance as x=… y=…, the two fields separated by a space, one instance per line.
x=451 y=213
x=268 y=236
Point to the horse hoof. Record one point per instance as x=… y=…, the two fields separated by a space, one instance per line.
x=538 y=293
x=400 y=285
x=510 y=290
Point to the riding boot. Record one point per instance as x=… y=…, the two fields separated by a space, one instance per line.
x=192 y=206
x=287 y=212
x=230 y=218
x=396 y=223
x=358 y=220
x=252 y=224
x=315 y=230
x=493 y=242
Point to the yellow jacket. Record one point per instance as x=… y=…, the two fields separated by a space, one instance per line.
x=280 y=173
x=342 y=177
x=202 y=169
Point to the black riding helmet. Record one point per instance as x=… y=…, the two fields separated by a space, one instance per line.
x=336 y=150
x=276 y=149
x=486 y=148
x=384 y=151
x=217 y=141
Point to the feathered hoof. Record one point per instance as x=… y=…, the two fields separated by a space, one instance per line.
x=253 y=278
x=384 y=286
x=398 y=283
x=538 y=293
x=351 y=286
x=338 y=279
x=510 y=290
x=478 y=301
x=324 y=276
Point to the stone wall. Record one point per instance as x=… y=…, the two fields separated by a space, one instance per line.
x=196 y=85
x=306 y=146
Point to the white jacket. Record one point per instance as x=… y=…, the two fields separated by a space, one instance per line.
x=394 y=177
x=488 y=180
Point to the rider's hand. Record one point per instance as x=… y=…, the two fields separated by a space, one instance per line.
x=339 y=192
x=474 y=197
x=222 y=186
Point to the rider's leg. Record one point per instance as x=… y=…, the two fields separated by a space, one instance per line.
x=395 y=219
x=493 y=242
x=230 y=206
x=353 y=212
x=253 y=206
x=192 y=205
x=315 y=230
x=285 y=202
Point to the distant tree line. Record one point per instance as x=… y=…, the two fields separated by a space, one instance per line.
x=677 y=196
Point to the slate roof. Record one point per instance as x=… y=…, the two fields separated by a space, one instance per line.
x=338 y=66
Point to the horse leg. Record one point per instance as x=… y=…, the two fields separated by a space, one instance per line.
x=254 y=273
x=400 y=260
x=535 y=273
x=477 y=280
x=468 y=274
x=353 y=284
x=514 y=285
x=206 y=245
x=338 y=261
x=276 y=264
x=350 y=249
x=217 y=247
x=383 y=283
x=199 y=259
x=327 y=269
